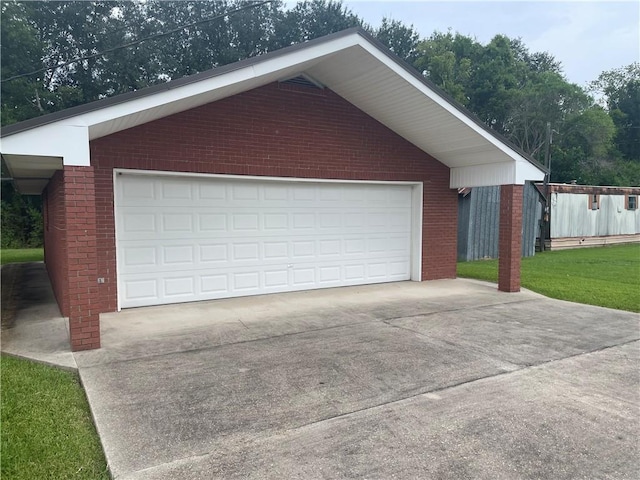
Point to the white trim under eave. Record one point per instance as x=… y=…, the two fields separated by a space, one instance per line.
x=501 y=173
x=69 y=142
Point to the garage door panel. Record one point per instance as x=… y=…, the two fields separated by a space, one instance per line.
x=177 y=190
x=173 y=287
x=179 y=286
x=143 y=190
x=217 y=192
x=304 y=249
x=190 y=255
x=139 y=223
x=214 y=284
x=278 y=278
x=276 y=250
x=211 y=222
x=186 y=239
x=139 y=256
x=174 y=223
x=140 y=291
x=176 y=255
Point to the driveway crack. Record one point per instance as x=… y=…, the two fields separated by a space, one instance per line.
x=467 y=382
x=451 y=310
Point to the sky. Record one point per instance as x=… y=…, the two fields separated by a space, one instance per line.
x=587 y=37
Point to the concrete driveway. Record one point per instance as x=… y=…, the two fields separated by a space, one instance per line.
x=446 y=379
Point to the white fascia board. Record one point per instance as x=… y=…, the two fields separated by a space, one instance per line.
x=71 y=142
x=453 y=111
x=525 y=171
x=500 y=173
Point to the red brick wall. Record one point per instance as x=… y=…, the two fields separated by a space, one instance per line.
x=282 y=131
x=84 y=303
x=70 y=252
x=510 y=238
x=55 y=245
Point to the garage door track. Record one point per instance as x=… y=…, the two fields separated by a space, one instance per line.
x=447 y=379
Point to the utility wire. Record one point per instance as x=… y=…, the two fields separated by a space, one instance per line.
x=136 y=42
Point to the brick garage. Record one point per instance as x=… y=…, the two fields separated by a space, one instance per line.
x=267 y=128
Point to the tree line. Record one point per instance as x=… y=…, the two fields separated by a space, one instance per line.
x=128 y=45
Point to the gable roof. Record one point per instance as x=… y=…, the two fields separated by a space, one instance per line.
x=351 y=63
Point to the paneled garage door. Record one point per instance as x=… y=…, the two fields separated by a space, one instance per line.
x=182 y=239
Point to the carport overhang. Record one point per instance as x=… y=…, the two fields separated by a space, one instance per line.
x=351 y=63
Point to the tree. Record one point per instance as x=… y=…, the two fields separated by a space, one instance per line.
x=544 y=98
x=21 y=219
x=447 y=60
x=582 y=150
x=400 y=39
x=537 y=62
x=497 y=77
x=621 y=90
x=21 y=52
x=512 y=90
x=312 y=19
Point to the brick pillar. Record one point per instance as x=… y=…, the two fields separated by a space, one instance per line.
x=82 y=261
x=510 y=241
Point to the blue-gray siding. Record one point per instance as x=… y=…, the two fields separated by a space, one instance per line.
x=479 y=220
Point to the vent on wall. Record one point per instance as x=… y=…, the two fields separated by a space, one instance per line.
x=302 y=81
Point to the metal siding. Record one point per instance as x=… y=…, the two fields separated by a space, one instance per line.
x=484 y=222
x=464 y=206
x=479 y=222
x=531 y=210
x=572 y=217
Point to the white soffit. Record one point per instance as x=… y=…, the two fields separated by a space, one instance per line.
x=373 y=82
x=31 y=174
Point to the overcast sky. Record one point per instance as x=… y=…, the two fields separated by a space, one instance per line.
x=588 y=37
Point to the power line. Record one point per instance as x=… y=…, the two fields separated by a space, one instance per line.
x=136 y=42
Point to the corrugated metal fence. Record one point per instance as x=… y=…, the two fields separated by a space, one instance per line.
x=479 y=221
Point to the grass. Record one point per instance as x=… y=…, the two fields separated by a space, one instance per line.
x=47 y=431
x=17 y=255
x=605 y=276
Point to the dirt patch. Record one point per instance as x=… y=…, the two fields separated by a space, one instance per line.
x=10 y=280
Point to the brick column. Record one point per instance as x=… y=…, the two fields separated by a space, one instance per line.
x=510 y=240
x=82 y=262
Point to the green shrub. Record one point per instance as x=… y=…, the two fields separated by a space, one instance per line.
x=21 y=224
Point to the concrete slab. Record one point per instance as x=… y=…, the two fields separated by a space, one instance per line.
x=447 y=379
x=573 y=418
x=149 y=331
x=39 y=332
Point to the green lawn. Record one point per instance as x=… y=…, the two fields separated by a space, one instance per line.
x=21 y=255
x=605 y=276
x=47 y=431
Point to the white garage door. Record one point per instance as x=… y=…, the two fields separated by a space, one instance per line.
x=182 y=239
